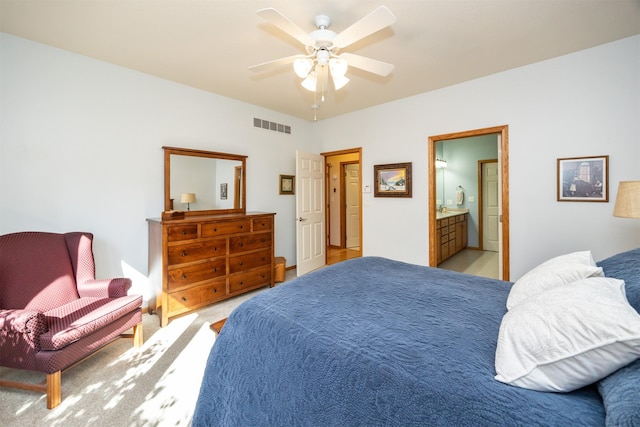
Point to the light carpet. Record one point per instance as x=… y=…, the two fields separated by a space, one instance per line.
x=155 y=385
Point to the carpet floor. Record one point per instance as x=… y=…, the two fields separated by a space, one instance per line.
x=155 y=385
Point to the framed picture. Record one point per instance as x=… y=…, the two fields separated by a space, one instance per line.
x=583 y=179
x=223 y=191
x=287 y=184
x=393 y=180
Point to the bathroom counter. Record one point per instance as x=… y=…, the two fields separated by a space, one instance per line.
x=451 y=212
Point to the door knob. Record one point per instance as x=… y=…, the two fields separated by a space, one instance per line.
x=301 y=219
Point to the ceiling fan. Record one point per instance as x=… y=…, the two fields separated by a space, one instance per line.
x=322 y=47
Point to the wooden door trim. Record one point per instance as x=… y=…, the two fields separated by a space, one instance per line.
x=503 y=131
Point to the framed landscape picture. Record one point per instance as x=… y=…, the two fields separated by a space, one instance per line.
x=583 y=179
x=392 y=180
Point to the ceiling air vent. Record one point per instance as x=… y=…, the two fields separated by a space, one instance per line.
x=276 y=127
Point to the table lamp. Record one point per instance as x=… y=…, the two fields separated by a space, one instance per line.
x=628 y=200
x=188 y=198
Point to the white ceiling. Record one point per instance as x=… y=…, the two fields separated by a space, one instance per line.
x=209 y=44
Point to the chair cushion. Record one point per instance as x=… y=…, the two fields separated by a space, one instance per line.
x=72 y=321
x=35 y=271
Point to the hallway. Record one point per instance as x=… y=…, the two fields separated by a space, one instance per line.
x=335 y=255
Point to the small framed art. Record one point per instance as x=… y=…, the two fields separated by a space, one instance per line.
x=583 y=179
x=287 y=184
x=223 y=191
x=392 y=180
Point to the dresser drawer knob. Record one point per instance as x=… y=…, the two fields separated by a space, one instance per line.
x=241 y=283
x=215 y=229
x=241 y=227
x=184 y=299
x=215 y=269
x=184 y=253
x=184 y=276
x=215 y=248
x=241 y=244
x=264 y=240
x=215 y=290
x=184 y=232
x=241 y=263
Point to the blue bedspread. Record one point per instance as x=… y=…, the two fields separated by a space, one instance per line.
x=374 y=342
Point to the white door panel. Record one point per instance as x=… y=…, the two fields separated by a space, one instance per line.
x=310 y=219
x=352 y=202
x=490 y=207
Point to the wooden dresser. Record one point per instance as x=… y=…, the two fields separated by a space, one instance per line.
x=451 y=235
x=200 y=260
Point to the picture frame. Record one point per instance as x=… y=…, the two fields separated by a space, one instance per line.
x=392 y=180
x=287 y=184
x=583 y=179
x=223 y=191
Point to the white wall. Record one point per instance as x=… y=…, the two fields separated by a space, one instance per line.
x=81 y=142
x=582 y=104
x=80 y=150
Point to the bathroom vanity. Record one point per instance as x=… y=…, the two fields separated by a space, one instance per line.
x=451 y=233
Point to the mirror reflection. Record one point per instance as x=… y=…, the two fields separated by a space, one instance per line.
x=199 y=182
x=211 y=182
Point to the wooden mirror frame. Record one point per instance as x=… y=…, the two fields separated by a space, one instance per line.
x=169 y=151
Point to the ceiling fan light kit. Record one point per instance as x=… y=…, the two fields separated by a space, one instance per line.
x=322 y=46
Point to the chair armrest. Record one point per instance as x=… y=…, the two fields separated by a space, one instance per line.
x=31 y=324
x=104 y=288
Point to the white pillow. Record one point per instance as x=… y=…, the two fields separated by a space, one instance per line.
x=554 y=272
x=568 y=337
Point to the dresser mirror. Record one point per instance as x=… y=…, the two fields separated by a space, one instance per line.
x=198 y=182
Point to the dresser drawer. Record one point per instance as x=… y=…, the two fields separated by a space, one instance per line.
x=262 y=224
x=180 y=254
x=249 y=242
x=253 y=260
x=188 y=299
x=194 y=273
x=212 y=229
x=176 y=233
x=250 y=280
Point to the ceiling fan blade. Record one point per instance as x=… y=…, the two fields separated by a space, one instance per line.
x=275 y=63
x=367 y=64
x=375 y=21
x=282 y=22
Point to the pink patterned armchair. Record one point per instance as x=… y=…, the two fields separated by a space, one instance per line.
x=53 y=312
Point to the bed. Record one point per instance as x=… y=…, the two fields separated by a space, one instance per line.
x=372 y=341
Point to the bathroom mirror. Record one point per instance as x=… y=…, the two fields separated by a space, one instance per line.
x=199 y=182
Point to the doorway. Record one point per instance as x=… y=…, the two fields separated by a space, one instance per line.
x=502 y=193
x=343 y=205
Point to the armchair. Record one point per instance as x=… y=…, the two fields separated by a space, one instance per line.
x=53 y=312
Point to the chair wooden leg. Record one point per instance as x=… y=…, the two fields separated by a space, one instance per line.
x=138 y=338
x=54 y=390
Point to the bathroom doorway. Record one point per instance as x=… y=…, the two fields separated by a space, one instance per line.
x=474 y=192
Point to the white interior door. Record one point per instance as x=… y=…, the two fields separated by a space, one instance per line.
x=352 y=205
x=490 y=207
x=310 y=215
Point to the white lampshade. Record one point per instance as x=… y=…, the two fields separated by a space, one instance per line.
x=628 y=200
x=188 y=198
x=338 y=67
x=310 y=82
x=302 y=66
x=339 y=82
